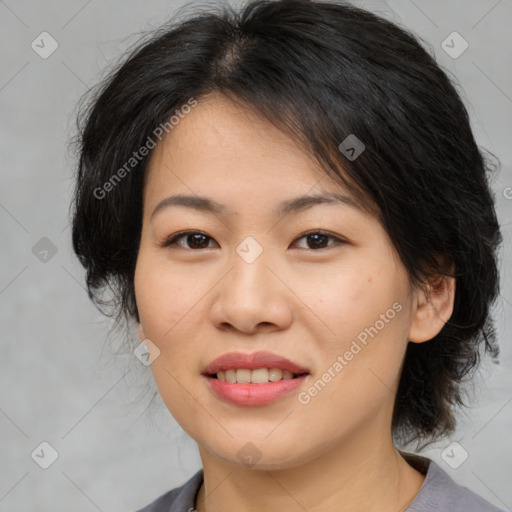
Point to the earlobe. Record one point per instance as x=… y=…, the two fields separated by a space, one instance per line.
x=434 y=307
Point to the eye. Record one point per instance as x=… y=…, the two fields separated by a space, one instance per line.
x=318 y=239
x=198 y=240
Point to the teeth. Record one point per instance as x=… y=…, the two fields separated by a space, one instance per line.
x=259 y=376
x=230 y=376
x=275 y=374
x=243 y=376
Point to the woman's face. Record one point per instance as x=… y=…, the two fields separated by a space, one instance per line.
x=339 y=305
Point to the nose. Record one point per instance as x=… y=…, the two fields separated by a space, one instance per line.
x=252 y=296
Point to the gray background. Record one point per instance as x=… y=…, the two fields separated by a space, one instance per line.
x=60 y=381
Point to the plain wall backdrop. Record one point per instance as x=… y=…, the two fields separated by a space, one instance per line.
x=60 y=381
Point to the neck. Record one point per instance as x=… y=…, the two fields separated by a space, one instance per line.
x=354 y=476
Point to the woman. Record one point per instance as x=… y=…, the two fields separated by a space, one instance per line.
x=288 y=203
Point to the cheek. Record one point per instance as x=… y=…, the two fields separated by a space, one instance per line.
x=162 y=309
x=367 y=315
x=355 y=298
x=163 y=297
x=168 y=301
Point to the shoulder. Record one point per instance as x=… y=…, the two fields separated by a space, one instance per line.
x=441 y=492
x=179 y=499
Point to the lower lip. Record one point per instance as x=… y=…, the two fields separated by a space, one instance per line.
x=254 y=394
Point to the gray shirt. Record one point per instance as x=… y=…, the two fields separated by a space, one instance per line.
x=439 y=493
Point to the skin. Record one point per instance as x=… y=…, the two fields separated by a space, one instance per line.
x=305 y=303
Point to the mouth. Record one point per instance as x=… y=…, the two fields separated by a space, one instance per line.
x=257 y=376
x=255 y=379
x=256 y=368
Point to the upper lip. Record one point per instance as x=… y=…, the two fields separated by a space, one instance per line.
x=240 y=360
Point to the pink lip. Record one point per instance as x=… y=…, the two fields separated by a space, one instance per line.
x=239 y=360
x=253 y=394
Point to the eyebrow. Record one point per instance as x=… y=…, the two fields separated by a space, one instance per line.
x=290 y=206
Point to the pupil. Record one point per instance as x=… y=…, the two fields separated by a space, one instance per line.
x=316 y=237
x=195 y=240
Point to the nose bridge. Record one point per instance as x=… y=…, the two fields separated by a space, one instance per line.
x=249 y=249
x=251 y=294
x=250 y=262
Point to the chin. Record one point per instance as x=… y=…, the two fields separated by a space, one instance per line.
x=260 y=454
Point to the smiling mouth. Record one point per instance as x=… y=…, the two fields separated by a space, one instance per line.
x=257 y=376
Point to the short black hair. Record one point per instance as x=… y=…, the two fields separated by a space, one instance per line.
x=320 y=71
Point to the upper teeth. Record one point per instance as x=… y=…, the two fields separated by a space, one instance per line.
x=259 y=376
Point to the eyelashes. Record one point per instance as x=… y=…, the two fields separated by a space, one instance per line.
x=200 y=240
x=197 y=234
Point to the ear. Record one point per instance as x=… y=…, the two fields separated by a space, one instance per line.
x=141 y=335
x=433 y=308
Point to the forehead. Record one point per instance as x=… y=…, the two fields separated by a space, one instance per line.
x=220 y=143
x=218 y=134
